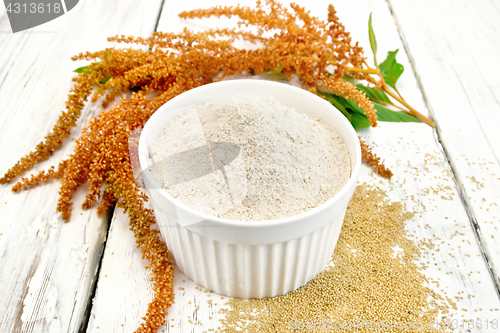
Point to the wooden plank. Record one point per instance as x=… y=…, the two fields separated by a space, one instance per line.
x=48 y=268
x=123 y=283
x=412 y=151
x=453 y=46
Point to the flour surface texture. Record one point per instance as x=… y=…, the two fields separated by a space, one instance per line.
x=250 y=158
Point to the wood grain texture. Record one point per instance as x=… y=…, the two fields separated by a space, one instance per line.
x=423 y=180
x=48 y=268
x=123 y=290
x=454 y=47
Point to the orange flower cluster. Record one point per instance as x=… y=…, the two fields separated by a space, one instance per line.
x=62 y=129
x=373 y=161
x=320 y=53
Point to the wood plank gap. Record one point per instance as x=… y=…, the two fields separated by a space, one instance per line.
x=159 y=15
x=461 y=190
x=88 y=310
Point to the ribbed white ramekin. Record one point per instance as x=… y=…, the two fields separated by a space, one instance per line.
x=250 y=259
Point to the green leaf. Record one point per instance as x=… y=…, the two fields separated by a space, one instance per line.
x=384 y=114
x=352 y=105
x=103 y=81
x=391 y=69
x=374 y=94
x=347 y=78
x=343 y=104
x=276 y=74
x=349 y=109
x=371 y=35
x=359 y=121
x=85 y=69
x=81 y=69
x=338 y=102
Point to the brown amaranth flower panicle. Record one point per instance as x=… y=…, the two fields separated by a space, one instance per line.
x=152 y=248
x=42 y=177
x=102 y=153
x=101 y=157
x=373 y=161
x=61 y=130
x=319 y=53
x=103 y=146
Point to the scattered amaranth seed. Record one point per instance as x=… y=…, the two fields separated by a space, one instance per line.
x=364 y=280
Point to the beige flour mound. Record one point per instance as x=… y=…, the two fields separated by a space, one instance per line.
x=286 y=162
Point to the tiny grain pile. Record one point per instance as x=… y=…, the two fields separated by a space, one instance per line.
x=366 y=287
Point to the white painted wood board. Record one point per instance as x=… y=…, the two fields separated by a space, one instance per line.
x=48 y=268
x=412 y=151
x=454 y=48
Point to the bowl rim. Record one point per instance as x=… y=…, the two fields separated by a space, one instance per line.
x=260 y=223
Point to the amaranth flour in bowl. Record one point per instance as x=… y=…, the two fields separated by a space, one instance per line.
x=250 y=158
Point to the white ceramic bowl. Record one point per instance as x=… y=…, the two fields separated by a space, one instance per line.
x=250 y=259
